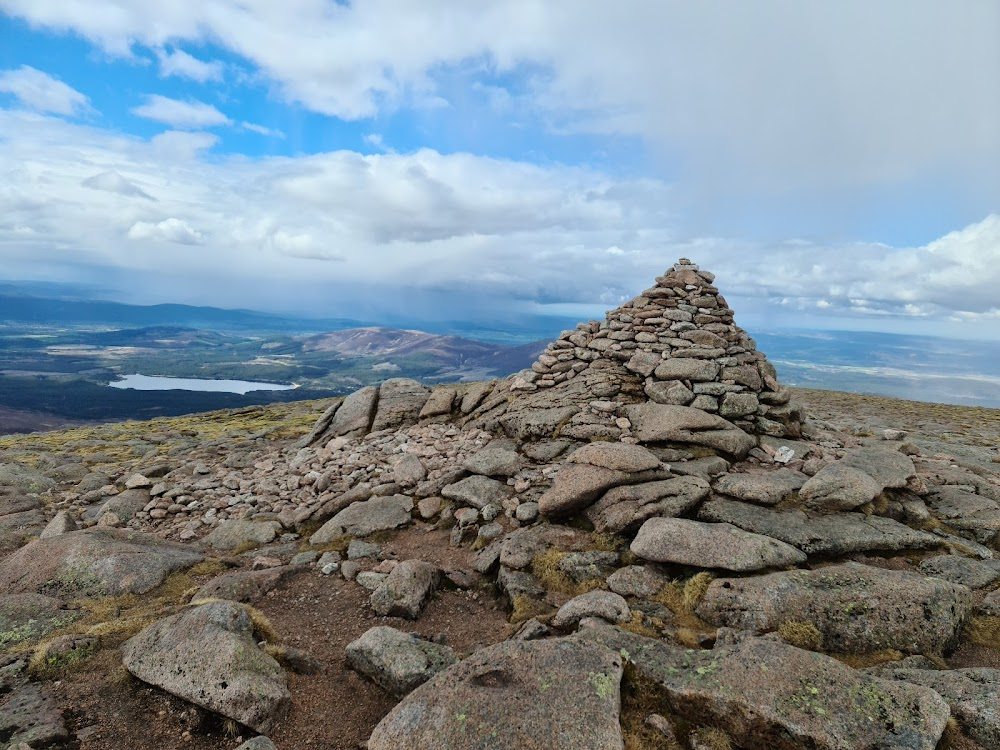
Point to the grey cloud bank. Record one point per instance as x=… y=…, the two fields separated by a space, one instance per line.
x=427 y=229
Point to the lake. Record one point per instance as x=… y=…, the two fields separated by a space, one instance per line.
x=158 y=383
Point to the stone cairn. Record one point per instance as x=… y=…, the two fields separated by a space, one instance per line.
x=680 y=336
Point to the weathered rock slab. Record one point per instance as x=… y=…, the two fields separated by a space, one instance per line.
x=655 y=423
x=98 y=561
x=406 y=590
x=856 y=608
x=859 y=477
x=229 y=535
x=626 y=508
x=395 y=661
x=207 y=655
x=763 y=488
x=477 y=492
x=552 y=694
x=615 y=456
x=577 y=486
x=961 y=570
x=495 y=460
x=366 y=517
x=711 y=545
x=356 y=413
x=773 y=696
x=30 y=717
x=26 y=617
x=825 y=534
x=604 y=604
x=972 y=694
x=400 y=401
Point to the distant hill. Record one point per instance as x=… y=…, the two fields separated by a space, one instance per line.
x=452 y=353
x=50 y=311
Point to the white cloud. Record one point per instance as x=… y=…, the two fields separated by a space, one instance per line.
x=180 y=114
x=168 y=230
x=261 y=130
x=409 y=232
x=42 y=92
x=179 y=63
x=773 y=94
x=182 y=145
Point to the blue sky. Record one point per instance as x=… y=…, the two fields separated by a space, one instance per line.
x=835 y=164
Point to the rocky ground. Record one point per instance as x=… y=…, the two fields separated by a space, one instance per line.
x=584 y=564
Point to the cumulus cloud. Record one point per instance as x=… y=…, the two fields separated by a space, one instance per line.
x=179 y=63
x=42 y=92
x=770 y=95
x=180 y=114
x=168 y=230
x=428 y=233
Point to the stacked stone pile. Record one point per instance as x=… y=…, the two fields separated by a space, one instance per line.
x=680 y=337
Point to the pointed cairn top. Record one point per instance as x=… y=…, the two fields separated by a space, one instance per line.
x=679 y=336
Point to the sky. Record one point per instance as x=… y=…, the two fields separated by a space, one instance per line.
x=835 y=164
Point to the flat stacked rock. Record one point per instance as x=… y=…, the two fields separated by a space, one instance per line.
x=681 y=337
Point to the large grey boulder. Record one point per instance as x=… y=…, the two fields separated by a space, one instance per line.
x=498 y=459
x=607 y=605
x=626 y=508
x=399 y=403
x=30 y=717
x=207 y=655
x=440 y=402
x=406 y=590
x=711 y=545
x=970 y=514
x=552 y=694
x=61 y=523
x=523 y=545
x=23 y=479
x=637 y=580
x=615 y=456
x=771 y=695
x=961 y=570
x=246 y=585
x=972 y=694
x=99 y=561
x=408 y=470
x=839 y=487
x=577 y=486
x=354 y=416
x=229 y=535
x=18 y=528
x=477 y=492
x=763 y=488
x=888 y=467
x=820 y=534
x=856 y=608
x=395 y=661
x=366 y=517
x=657 y=423
x=25 y=617
x=859 y=477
